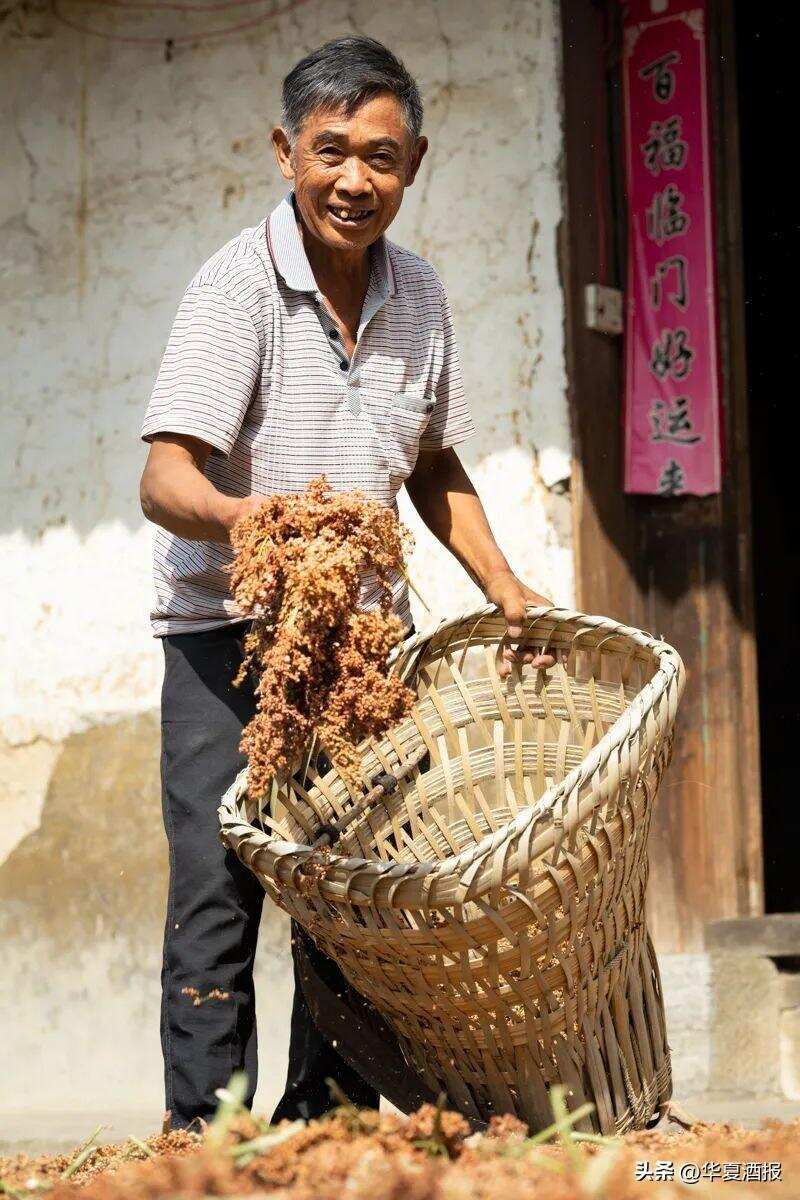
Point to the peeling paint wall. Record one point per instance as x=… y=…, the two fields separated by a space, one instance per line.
x=124 y=171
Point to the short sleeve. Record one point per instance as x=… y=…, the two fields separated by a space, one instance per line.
x=450 y=421
x=209 y=371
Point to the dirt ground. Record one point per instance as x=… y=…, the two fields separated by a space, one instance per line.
x=428 y=1156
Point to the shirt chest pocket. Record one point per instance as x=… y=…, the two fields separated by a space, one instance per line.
x=400 y=420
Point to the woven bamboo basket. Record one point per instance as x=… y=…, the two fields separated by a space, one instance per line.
x=492 y=906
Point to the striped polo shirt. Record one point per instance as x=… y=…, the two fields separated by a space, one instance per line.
x=255 y=367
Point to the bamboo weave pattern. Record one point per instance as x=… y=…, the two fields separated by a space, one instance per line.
x=493 y=907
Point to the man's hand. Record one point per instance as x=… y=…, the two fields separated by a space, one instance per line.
x=243 y=508
x=511 y=595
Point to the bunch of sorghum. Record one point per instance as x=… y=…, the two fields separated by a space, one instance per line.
x=319 y=664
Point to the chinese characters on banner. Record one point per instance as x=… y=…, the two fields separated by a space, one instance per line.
x=672 y=399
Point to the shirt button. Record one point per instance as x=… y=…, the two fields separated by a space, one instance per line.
x=429 y=407
x=333 y=333
x=343 y=366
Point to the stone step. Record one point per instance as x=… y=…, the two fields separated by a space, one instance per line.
x=789 y=1043
x=789 y=989
x=775 y=935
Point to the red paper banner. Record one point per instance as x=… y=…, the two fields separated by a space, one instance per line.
x=672 y=393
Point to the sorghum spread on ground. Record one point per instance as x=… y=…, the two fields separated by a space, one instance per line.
x=429 y=1156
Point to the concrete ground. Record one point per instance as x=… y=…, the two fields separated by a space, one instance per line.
x=25 y=1132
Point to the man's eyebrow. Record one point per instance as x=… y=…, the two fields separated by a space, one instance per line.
x=336 y=135
x=388 y=142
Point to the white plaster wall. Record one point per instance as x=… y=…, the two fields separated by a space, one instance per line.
x=123 y=173
x=87 y=1039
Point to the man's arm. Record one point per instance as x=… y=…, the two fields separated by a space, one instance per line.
x=446 y=500
x=175 y=493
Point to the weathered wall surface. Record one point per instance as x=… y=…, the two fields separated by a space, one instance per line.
x=123 y=172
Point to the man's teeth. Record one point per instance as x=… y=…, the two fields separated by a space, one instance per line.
x=345 y=214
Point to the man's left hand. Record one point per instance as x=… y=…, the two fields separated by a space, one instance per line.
x=512 y=596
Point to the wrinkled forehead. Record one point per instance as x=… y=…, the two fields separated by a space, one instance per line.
x=373 y=118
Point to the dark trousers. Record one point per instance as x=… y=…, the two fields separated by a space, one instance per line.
x=214 y=903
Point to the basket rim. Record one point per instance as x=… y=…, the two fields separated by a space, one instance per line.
x=534 y=613
x=670 y=671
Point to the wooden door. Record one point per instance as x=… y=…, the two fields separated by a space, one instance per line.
x=679 y=568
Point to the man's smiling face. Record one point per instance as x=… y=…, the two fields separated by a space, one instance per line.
x=350 y=172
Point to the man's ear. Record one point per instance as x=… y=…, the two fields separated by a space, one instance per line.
x=417 y=155
x=283 y=152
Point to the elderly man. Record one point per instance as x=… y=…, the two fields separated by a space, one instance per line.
x=307 y=344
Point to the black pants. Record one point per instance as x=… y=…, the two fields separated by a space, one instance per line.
x=214 y=903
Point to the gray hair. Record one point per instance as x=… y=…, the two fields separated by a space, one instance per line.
x=342 y=75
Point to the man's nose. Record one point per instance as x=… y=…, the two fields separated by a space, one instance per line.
x=354 y=177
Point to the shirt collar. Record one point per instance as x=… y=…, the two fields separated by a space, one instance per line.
x=290 y=258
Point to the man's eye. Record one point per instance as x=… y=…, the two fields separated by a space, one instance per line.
x=330 y=152
x=383 y=159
